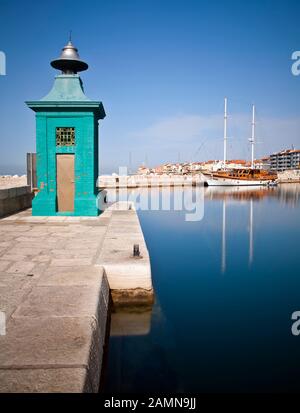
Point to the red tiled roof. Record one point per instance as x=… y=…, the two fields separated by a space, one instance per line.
x=287 y=151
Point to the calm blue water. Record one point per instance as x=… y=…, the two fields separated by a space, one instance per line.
x=222 y=317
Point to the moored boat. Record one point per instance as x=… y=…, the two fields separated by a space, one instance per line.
x=240 y=176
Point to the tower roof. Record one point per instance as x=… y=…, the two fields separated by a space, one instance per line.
x=69 y=61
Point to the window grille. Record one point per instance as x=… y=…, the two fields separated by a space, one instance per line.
x=65 y=136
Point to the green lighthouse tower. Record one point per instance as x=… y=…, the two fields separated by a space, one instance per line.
x=67 y=143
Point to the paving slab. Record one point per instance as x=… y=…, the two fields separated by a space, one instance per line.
x=61 y=380
x=11 y=294
x=65 y=262
x=60 y=301
x=125 y=272
x=47 y=342
x=4 y=264
x=59 y=276
x=55 y=293
x=21 y=267
x=55 y=303
x=6 y=256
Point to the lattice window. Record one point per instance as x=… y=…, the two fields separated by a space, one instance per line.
x=65 y=136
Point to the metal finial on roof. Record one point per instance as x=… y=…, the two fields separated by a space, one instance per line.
x=69 y=61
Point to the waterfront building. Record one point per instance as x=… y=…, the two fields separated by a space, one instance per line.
x=197 y=167
x=286 y=159
x=263 y=163
x=67 y=143
x=142 y=170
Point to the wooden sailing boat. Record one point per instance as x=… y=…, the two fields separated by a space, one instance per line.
x=239 y=176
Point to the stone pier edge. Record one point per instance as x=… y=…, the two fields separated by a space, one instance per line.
x=64 y=353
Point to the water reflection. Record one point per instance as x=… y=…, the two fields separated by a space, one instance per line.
x=207 y=332
x=128 y=322
x=251 y=233
x=250 y=229
x=136 y=355
x=286 y=193
x=223 y=265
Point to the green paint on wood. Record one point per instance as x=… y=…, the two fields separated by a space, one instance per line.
x=67 y=106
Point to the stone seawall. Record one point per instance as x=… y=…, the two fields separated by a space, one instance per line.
x=14 y=199
x=129 y=277
x=57 y=275
x=148 y=181
x=289 y=176
x=56 y=336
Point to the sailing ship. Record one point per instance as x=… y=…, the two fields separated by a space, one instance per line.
x=238 y=176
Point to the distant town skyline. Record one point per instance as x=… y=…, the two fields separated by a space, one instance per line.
x=161 y=69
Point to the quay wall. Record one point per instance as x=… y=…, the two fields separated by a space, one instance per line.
x=129 y=277
x=55 y=339
x=14 y=199
x=289 y=176
x=59 y=278
x=136 y=181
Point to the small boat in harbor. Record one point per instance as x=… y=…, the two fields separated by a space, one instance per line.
x=239 y=176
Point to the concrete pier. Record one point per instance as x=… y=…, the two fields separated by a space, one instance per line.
x=129 y=277
x=54 y=292
x=148 y=181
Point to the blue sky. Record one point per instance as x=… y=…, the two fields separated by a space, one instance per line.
x=161 y=69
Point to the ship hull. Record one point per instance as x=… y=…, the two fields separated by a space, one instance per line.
x=222 y=181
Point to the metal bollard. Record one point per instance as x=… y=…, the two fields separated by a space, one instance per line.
x=136 y=250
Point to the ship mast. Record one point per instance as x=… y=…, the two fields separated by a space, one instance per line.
x=225 y=131
x=223 y=263
x=252 y=139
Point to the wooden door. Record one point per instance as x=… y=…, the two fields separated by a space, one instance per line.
x=65 y=182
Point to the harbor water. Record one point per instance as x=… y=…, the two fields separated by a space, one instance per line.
x=226 y=287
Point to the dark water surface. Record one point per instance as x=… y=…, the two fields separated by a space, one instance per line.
x=225 y=287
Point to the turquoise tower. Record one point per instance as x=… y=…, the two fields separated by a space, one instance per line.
x=67 y=143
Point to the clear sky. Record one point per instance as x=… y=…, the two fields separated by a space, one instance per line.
x=161 y=69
